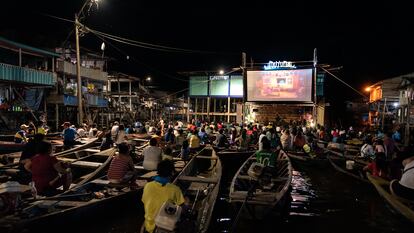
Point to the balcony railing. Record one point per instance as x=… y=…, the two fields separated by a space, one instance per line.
x=91 y=100
x=69 y=68
x=26 y=75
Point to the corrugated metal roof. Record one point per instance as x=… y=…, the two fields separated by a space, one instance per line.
x=16 y=45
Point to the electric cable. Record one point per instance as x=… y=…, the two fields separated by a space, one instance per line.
x=346 y=84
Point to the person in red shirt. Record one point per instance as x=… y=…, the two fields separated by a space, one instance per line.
x=47 y=172
x=378 y=167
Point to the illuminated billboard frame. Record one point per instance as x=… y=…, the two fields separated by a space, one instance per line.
x=234 y=86
x=235 y=91
x=276 y=85
x=202 y=85
x=219 y=86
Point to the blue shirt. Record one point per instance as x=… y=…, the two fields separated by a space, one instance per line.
x=396 y=136
x=69 y=134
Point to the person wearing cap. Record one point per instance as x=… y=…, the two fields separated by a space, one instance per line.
x=69 y=135
x=20 y=136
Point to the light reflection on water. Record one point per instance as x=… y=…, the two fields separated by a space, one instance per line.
x=323 y=201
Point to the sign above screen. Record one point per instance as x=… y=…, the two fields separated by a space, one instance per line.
x=280 y=85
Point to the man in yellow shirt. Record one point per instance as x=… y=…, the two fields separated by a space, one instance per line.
x=159 y=191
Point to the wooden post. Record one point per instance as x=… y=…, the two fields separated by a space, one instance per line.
x=407 y=125
x=383 y=114
x=53 y=65
x=20 y=57
x=57 y=116
x=130 y=98
x=196 y=108
x=188 y=109
x=208 y=108
x=228 y=109
x=202 y=109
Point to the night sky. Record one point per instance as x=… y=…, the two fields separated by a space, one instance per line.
x=370 y=42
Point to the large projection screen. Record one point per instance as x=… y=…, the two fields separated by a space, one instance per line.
x=236 y=86
x=198 y=85
x=219 y=85
x=280 y=85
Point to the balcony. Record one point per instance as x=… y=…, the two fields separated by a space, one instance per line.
x=69 y=68
x=26 y=75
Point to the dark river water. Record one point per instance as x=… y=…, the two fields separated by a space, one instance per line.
x=323 y=200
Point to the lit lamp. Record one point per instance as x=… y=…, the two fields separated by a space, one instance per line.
x=368 y=89
x=221 y=72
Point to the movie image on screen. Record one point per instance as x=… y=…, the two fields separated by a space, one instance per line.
x=198 y=86
x=280 y=85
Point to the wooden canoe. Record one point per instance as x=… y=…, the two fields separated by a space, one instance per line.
x=246 y=190
x=200 y=181
x=404 y=207
x=339 y=163
x=33 y=212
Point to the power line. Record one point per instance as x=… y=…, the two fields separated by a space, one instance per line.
x=138 y=61
x=150 y=45
x=346 y=84
x=137 y=43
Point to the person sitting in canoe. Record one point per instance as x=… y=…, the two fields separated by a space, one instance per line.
x=69 y=136
x=20 y=136
x=266 y=156
x=185 y=150
x=242 y=141
x=29 y=150
x=122 y=168
x=47 y=172
x=378 y=166
x=159 y=191
x=367 y=150
x=194 y=141
x=405 y=186
x=152 y=155
x=221 y=139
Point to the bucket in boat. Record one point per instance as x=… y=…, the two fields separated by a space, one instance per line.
x=350 y=164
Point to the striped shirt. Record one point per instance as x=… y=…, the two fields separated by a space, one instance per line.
x=120 y=165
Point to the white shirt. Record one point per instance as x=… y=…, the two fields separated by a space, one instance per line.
x=114 y=131
x=367 y=150
x=81 y=132
x=260 y=141
x=121 y=137
x=152 y=156
x=407 y=178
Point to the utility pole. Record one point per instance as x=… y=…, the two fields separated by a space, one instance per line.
x=78 y=74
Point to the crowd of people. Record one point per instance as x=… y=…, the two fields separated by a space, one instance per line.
x=176 y=139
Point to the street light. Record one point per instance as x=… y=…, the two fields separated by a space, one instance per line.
x=221 y=72
x=148 y=79
x=368 y=89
